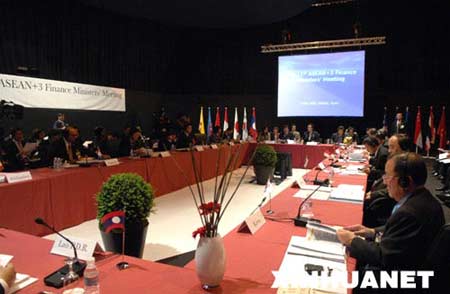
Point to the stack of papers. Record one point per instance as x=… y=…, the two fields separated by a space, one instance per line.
x=300 y=252
x=319 y=195
x=344 y=192
x=353 y=169
x=22 y=280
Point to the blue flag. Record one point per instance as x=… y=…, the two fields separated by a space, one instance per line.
x=210 y=128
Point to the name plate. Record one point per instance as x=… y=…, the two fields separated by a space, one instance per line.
x=300 y=182
x=214 y=146
x=85 y=248
x=312 y=143
x=231 y=143
x=198 y=148
x=165 y=154
x=252 y=223
x=443 y=156
x=321 y=166
x=111 y=162
x=17 y=177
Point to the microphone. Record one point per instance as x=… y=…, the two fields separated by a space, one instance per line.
x=325 y=182
x=259 y=205
x=78 y=266
x=301 y=221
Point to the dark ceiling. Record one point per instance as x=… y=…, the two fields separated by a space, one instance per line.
x=207 y=13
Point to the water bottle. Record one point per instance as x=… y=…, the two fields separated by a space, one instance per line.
x=91 y=282
x=306 y=210
x=331 y=176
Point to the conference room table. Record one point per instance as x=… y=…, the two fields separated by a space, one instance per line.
x=250 y=258
x=66 y=197
x=303 y=156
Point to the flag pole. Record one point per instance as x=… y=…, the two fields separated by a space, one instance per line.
x=123 y=264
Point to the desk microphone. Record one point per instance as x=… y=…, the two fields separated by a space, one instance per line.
x=78 y=266
x=325 y=182
x=301 y=221
x=259 y=205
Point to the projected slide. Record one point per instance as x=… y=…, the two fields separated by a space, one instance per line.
x=329 y=84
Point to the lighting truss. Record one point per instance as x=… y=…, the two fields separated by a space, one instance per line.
x=355 y=42
x=319 y=3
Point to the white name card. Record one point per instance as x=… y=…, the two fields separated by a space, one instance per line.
x=312 y=143
x=443 y=156
x=252 y=223
x=85 y=248
x=111 y=162
x=321 y=166
x=17 y=177
x=300 y=182
x=165 y=154
x=198 y=148
x=231 y=143
x=214 y=146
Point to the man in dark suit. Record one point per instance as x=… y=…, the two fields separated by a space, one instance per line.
x=399 y=125
x=311 y=135
x=7 y=278
x=286 y=135
x=169 y=142
x=67 y=147
x=410 y=230
x=15 y=155
x=338 y=137
x=186 y=138
x=377 y=204
x=377 y=162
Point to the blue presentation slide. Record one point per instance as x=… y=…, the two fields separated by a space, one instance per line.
x=330 y=84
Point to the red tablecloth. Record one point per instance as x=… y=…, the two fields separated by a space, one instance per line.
x=299 y=152
x=67 y=198
x=253 y=257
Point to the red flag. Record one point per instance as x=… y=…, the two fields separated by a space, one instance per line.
x=442 y=130
x=431 y=126
x=418 y=131
x=217 y=122
x=113 y=220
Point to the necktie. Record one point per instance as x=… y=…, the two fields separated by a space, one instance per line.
x=69 y=150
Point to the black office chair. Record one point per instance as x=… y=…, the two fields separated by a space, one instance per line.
x=438 y=259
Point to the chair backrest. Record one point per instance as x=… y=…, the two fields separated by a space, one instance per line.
x=438 y=256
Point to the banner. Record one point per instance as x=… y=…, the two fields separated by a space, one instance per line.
x=43 y=93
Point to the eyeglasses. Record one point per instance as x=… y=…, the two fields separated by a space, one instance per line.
x=387 y=178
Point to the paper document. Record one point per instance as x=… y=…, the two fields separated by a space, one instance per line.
x=319 y=195
x=5 y=259
x=314 y=187
x=30 y=147
x=353 y=193
x=301 y=252
x=321 y=232
x=21 y=282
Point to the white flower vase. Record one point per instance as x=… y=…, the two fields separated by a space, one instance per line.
x=210 y=261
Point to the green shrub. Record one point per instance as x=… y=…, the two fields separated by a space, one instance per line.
x=265 y=155
x=127 y=192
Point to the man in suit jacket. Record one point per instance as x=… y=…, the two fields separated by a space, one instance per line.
x=399 y=125
x=186 y=138
x=7 y=277
x=67 y=147
x=311 y=135
x=415 y=221
x=286 y=135
x=377 y=162
x=15 y=156
x=338 y=137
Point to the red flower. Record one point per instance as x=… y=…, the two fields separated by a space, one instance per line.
x=210 y=207
x=200 y=231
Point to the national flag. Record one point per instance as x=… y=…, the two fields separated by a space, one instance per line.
x=210 y=128
x=418 y=130
x=253 y=132
x=217 y=122
x=201 y=124
x=431 y=126
x=113 y=220
x=442 y=130
x=225 y=119
x=244 y=126
x=236 y=125
x=385 y=122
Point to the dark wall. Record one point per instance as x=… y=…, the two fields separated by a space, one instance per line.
x=189 y=67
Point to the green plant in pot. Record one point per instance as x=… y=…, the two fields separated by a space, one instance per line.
x=264 y=162
x=130 y=193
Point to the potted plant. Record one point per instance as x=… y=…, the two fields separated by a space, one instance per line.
x=264 y=163
x=129 y=193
